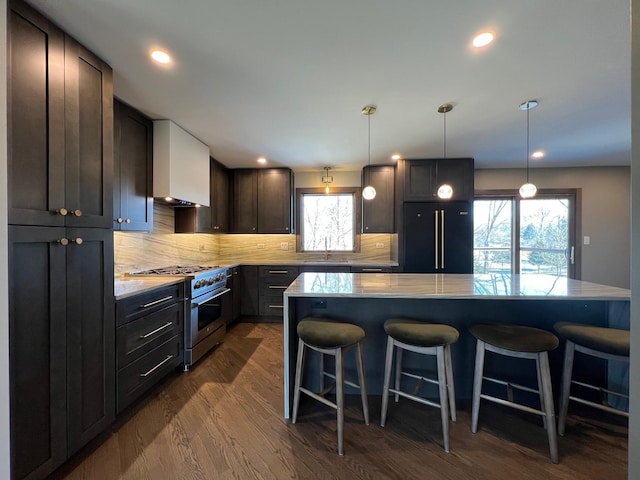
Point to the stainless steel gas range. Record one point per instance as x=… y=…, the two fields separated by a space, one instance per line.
x=207 y=310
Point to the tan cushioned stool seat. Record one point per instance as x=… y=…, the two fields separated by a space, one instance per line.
x=606 y=340
x=327 y=334
x=515 y=337
x=420 y=334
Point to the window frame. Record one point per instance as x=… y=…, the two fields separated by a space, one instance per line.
x=357 y=214
x=574 y=271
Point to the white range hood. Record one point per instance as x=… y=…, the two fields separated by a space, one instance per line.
x=180 y=165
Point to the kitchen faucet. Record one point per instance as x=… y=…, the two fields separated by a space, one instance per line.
x=326 y=251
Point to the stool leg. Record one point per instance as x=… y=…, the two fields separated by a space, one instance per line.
x=565 y=389
x=362 y=381
x=296 y=388
x=398 y=372
x=549 y=416
x=444 y=401
x=340 y=398
x=450 y=383
x=477 y=385
x=387 y=380
x=544 y=423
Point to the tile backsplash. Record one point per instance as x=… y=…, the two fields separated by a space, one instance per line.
x=162 y=247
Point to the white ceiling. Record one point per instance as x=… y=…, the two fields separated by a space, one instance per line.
x=287 y=79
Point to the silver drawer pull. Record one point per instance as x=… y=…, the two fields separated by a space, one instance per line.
x=276 y=306
x=168 y=324
x=151 y=304
x=278 y=287
x=372 y=270
x=169 y=357
x=279 y=271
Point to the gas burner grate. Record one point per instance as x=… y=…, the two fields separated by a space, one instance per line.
x=176 y=270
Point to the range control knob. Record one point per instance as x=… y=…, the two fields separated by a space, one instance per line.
x=198 y=284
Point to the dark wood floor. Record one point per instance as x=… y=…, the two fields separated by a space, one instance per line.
x=223 y=420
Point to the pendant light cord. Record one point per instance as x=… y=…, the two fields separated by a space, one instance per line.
x=445 y=134
x=528 y=108
x=369 y=121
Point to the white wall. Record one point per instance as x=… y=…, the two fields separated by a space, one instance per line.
x=346 y=178
x=4 y=309
x=634 y=406
x=606 y=215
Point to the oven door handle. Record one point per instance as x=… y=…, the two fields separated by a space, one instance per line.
x=209 y=298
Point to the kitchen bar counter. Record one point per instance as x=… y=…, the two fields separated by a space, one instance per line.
x=458 y=300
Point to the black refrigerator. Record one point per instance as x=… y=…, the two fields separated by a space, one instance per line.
x=438 y=237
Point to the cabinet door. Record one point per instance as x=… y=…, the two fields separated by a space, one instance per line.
x=457 y=242
x=419 y=180
x=90 y=334
x=245 y=201
x=35 y=125
x=37 y=346
x=457 y=172
x=249 y=290
x=88 y=138
x=236 y=292
x=275 y=197
x=377 y=214
x=219 y=197
x=133 y=182
x=419 y=238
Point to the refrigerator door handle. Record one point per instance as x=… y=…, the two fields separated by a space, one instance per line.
x=442 y=242
x=436 y=238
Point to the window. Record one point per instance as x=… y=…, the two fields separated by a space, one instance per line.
x=328 y=221
x=537 y=235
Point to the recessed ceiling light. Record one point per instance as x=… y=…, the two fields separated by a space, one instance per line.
x=396 y=156
x=537 y=154
x=483 y=39
x=262 y=160
x=160 y=56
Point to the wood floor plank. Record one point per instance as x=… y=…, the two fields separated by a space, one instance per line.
x=223 y=420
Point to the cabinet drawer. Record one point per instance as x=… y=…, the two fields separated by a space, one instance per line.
x=135 y=307
x=371 y=269
x=271 y=306
x=139 y=376
x=139 y=337
x=287 y=274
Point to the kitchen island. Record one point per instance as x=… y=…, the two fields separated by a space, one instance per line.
x=458 y=300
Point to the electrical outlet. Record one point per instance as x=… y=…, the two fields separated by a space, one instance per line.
x=587 y=240
x=201 y=248
x=284 y=245
x=379 y=245
x=261 y=246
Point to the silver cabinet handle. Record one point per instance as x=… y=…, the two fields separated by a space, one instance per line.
x=371 y=270
x=76 y=213
x=146 y=374
x=276 y=306
x=63 y=241
x=119 y=220
x=573 y=252
x=278 y=287
x=127 y=220
x=77 y=241
x=279 y=272
x=151 y=304
x=442 y=233
x=147 y=335
x=62 y=212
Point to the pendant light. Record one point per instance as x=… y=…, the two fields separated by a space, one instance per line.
x=368 y=192
x=445 y=191
x=327 y=179
x=528 y=190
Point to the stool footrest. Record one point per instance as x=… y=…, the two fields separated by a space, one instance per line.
x=318 y=397
x=606 y=408
x=346 y=382
x=600 y=389
x=516 y=405
x=414 y=397
x=511 y=385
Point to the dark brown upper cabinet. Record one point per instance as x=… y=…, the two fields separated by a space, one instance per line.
x=262 y=200
x=133 y=170
x=212 y=219
x=378 y=213
x=422 y=178
x=60 y=127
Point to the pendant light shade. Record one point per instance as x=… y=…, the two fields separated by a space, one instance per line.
x=528 y=189
x=445 y=191
x=369 y=192
x=327 y=180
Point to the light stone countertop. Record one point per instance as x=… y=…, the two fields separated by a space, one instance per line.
x=450 y=286
x=126 y=286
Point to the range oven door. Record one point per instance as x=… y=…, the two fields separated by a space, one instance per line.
x=207 y=315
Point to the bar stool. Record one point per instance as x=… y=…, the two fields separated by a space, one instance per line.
x=330 y=338
x=600 y=342
x=520 y=342
x=425 y=339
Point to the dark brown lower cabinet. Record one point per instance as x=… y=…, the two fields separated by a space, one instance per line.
x=62 y=343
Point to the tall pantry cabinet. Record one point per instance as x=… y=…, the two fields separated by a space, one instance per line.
x=61 y=308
